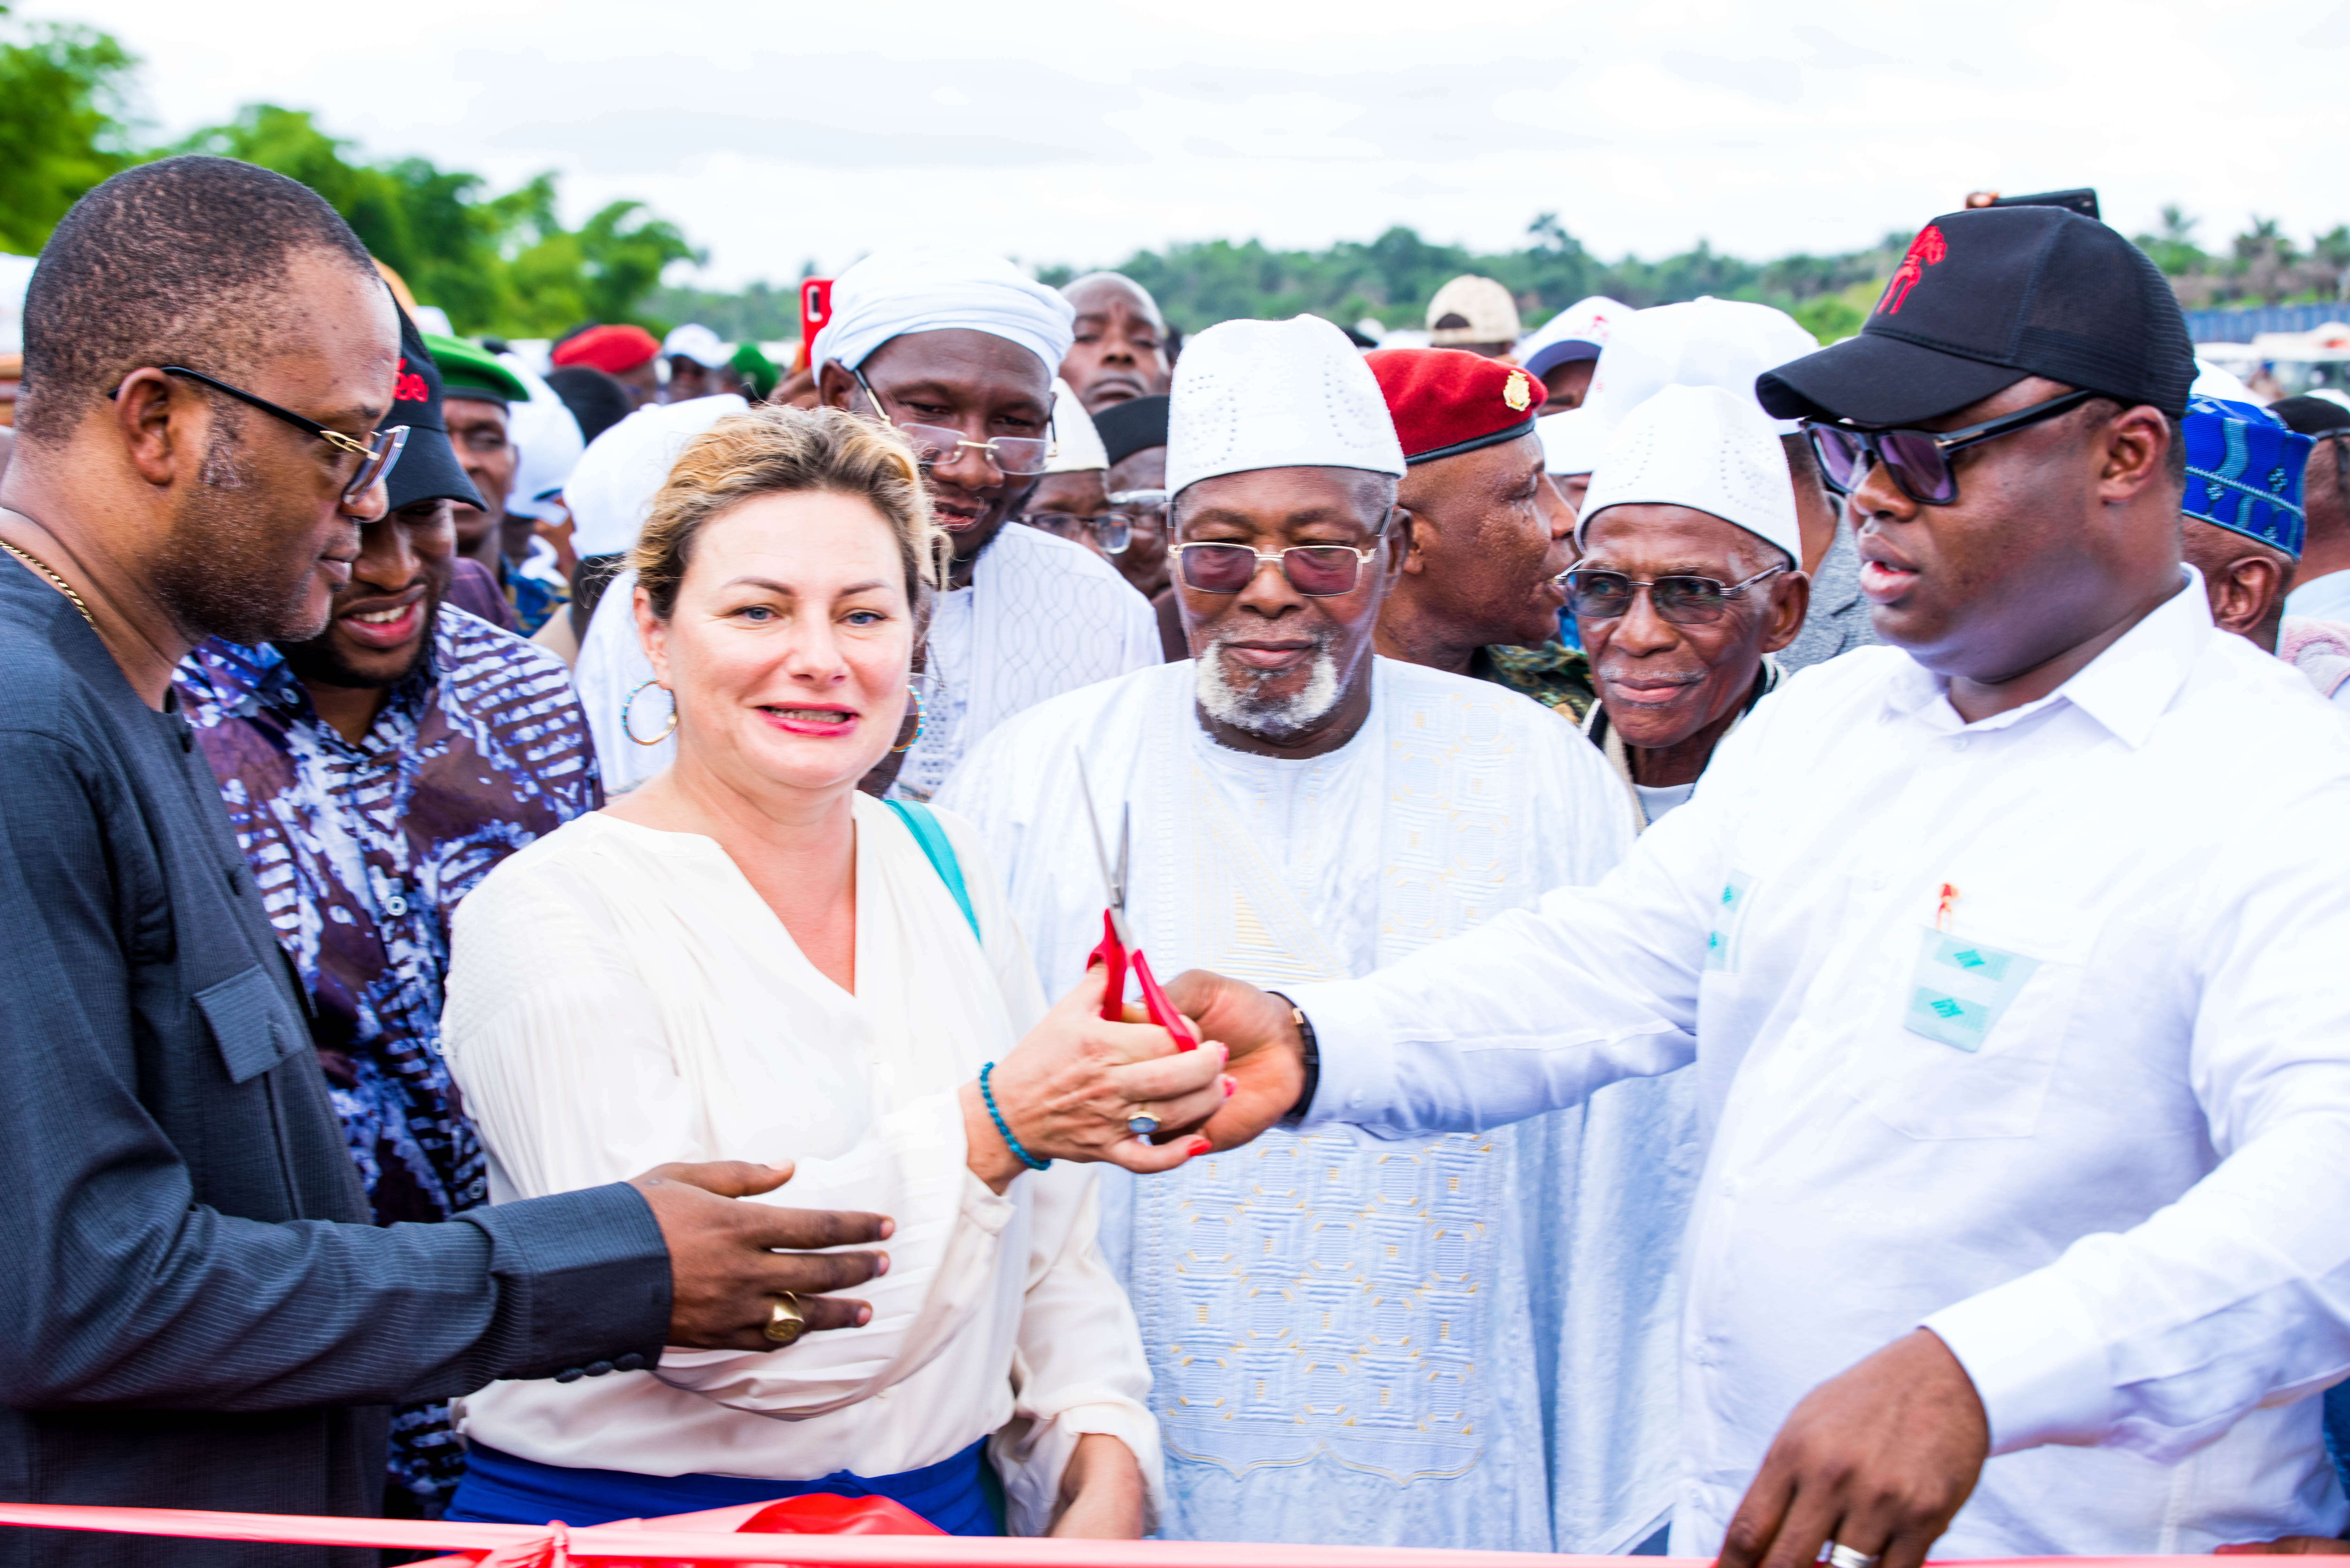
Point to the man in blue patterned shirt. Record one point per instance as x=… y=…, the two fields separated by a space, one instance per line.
x=374 y=774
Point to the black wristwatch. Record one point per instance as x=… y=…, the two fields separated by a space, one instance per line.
x=1295 y=1114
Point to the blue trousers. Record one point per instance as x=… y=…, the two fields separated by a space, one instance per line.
x=500 y=1488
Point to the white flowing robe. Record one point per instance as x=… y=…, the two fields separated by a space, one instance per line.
x=1453 y=1341
x=1043 y=615
x=621 y=997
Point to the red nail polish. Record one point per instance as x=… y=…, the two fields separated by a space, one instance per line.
x=1200 y=1145
x=1231 y=1086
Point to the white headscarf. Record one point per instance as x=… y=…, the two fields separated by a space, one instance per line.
x=934 y=288
x=611 y=492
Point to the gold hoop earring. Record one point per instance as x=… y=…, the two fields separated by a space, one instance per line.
x=914 y=740
x=628 y=715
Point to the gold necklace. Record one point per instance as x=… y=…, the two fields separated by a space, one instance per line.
x=46 y=570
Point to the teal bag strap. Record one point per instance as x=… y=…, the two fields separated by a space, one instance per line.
x=939 y=850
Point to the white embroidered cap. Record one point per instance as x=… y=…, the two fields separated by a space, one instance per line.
x=1705 y=342
x=1276 y=394
x=1076 y=445
x=1706 y=448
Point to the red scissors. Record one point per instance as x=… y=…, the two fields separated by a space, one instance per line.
x=1118 y=952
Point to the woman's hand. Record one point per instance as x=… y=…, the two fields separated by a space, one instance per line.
x=1069 y=1089
x=1101 y=1492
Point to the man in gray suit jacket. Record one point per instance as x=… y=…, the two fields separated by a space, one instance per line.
x=194 y=1310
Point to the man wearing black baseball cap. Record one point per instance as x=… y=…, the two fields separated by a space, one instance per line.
x=2010 y=973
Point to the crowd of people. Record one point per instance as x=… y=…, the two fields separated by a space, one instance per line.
x=557 y=903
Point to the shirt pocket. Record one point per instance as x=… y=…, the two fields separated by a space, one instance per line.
x=251 y=1025
x=1967 y=1040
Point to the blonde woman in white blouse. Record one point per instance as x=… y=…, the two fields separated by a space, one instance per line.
x=748 y=958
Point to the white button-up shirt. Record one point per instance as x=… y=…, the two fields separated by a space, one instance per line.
x=2035 y=1030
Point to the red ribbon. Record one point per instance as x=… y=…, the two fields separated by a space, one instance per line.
x=825 y=1536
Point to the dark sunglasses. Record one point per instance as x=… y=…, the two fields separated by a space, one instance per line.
x=1318 y=571
x=1683 y=600
x=377 y=453
x=1919 y=461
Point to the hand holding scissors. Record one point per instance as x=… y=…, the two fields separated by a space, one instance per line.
x=1118 y=952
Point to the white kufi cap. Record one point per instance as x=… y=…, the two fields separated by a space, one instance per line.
x=1276 y=394
x=1076 y=445
x=936 y=288
x=1706 y=448
x=1705 y=342
x=611 y=492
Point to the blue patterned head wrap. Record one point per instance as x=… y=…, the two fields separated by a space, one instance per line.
x=2243 y=471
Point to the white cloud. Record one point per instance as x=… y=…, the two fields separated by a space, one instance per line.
x=776 y=132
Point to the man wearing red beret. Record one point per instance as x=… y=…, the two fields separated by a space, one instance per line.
x=1490 y=533
x=626 y=353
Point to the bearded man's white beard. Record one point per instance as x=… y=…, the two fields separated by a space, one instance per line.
x=1274 y=718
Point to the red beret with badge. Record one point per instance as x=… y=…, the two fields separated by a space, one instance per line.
x=1447 y=401
x=615 y=350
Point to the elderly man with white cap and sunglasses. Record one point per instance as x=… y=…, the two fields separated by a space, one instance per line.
x=1724 y=343
x=2009 y=959
x=1354 y=1338
x=1688 y=582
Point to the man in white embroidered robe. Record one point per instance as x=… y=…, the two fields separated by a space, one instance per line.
x=1354 y=1338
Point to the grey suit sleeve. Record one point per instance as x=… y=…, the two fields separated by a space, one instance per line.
x=119 y=1287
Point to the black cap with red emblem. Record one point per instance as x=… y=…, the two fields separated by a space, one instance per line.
x=1986 y=297
x=428 y=467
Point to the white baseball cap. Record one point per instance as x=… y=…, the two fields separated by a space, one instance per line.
x=695 y=342
x=1490 y=314
x=1705 y=342
x=1578 y=332
x=1706 y=448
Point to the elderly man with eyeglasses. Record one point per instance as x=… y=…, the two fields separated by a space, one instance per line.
x=1688 y=584
x=1353 y=1339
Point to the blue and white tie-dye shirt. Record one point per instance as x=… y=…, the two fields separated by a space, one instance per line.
x=361 y=853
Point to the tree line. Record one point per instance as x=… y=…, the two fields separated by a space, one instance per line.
x=504 y=262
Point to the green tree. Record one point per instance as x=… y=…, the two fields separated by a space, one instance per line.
x=502 y=263
x=63 y=124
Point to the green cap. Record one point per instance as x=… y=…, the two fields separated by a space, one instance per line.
x=469 y=370
x=757 y=370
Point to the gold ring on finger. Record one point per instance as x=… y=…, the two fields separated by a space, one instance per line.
x=1141 y=1123
x=786 y=1322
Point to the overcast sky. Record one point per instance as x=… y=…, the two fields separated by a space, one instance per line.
x=777 y=131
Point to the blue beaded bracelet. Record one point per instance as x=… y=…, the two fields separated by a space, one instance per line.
x=985 y=1094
